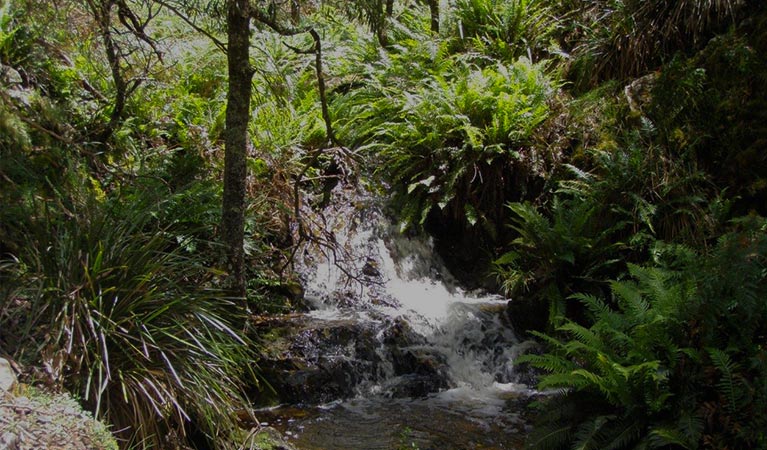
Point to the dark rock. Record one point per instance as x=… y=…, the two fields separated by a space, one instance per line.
x=309 y=361
x=413 y=385
x=401 y=334
x=268 y=438
x=315 y=361
x=527 y=314
x=371 y=268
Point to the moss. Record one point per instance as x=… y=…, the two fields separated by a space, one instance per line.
x=268 y=438
x=47 y=420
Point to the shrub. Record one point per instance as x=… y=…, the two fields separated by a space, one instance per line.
x=674 y=360
x=119 y=314
x=626 y=38
x=451 y=143
x=504 y=29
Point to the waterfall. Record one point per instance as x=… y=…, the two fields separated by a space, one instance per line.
x=393 y=353
x=380 y=275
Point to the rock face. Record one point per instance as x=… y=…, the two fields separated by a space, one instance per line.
x=268 y=438
x=34 y=419
x=316 y=361
x=312 y=361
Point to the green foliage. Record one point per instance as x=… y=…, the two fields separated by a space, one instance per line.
x=118 y=312
x=504 y=29
x=626 y=38
x=552 y=257
x=672 y=361
x=599 y=220
x=16 y=36
x=447 y=143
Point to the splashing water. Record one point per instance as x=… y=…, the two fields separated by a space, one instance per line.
x=456 y=346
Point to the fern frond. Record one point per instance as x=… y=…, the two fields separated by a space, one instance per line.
x=630 y=298
x=547 y=362
x=630 y=431
x=563 y=381
x=727 y=384
x=666 y=436
x=584 y=335
x=549 y=437
x=594 y=304
x=588 y=435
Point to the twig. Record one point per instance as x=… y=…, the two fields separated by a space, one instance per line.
x=50 y=133
x=188 y=21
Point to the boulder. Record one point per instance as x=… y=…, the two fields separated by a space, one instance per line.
x=10 y=76
x=308 y=360
x=7 y=376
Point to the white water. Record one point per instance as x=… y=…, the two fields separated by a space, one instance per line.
x=399 y=277
x=399 y=285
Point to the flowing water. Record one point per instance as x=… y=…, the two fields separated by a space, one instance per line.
x=440 y=373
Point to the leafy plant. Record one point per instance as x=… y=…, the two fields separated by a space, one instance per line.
x=626 y=38
x=671 y=361
x=449 y=143
x=554 y=257
x=120 y=315
x=505 y=29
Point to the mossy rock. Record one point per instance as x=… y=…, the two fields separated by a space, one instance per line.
x=267 y=438
x=34 y=419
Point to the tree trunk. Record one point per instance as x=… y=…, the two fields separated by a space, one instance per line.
x=295 y=12
x=102 y=13
x=434 y=11
x=236 y=142
x=383 y=19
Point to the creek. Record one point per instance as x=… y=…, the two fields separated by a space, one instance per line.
x=392 y=353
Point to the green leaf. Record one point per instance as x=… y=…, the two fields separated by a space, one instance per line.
x=471 y=214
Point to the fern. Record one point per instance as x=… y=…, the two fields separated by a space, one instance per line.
x=445 y=137
x=728 y=386
x=590 y=432
x=667 y=356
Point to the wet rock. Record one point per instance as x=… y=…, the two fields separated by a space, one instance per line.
x=414 y=385
x=267 y=438
x=327 y=380
x=421 y=361
x=401 y=334
x=315 y=361
x=420 y=369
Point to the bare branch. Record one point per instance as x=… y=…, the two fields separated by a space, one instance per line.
x=195 y=27
x=131 y=22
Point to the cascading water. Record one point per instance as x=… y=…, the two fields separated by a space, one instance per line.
x=441 y=374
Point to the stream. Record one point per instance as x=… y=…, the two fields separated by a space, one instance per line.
x=392 y=353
